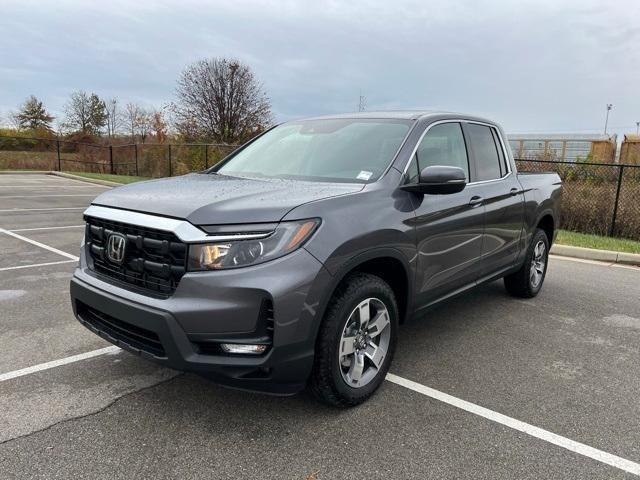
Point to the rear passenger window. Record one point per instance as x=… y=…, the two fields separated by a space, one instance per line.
x=443 y=144
x=488 y=162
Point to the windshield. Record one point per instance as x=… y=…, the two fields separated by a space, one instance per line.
x=338 y=150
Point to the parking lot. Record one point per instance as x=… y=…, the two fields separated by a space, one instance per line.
x=485 y=386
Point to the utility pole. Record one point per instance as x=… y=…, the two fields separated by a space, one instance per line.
x=637 y=128
x=362 y=102
x=606 y=120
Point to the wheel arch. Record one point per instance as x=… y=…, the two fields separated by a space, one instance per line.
x=387 y=263
x=547 y=223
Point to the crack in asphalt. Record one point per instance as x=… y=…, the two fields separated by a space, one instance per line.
x=90 y=414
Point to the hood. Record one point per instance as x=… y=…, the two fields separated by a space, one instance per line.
x=207 y=199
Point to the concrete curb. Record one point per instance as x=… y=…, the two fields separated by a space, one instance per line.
x=85 y=179
x=594 y=254
x=23 y=172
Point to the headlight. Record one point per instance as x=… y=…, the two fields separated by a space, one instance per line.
x=287 y=237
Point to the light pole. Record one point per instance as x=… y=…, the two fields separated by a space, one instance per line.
x=637 y=128
x=606 y=120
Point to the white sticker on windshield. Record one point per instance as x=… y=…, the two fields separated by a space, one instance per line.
x=364 y=175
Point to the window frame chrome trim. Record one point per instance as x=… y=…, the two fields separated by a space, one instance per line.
x=182 y=229
x=460 y=120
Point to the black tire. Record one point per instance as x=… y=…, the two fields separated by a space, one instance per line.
x=520 y=284
x=326 y=381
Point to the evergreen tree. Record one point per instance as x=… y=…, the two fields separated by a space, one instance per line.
x=33 y=115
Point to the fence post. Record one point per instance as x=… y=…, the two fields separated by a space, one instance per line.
x=170 y=168
x=135 y=148
x=206 y=156
x=58 y=152
x=111 y=158
x=615 y=205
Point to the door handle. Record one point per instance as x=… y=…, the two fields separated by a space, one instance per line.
x=514 y=191
x=476 y=200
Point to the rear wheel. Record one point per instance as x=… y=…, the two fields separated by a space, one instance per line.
x=356 y=341
x=527 y=281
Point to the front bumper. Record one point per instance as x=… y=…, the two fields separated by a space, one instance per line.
x=209 y=308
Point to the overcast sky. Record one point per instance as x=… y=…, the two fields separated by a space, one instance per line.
x=535 y=66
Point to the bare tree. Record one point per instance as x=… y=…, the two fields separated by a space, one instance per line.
x=132 y=114
x=144 y=124
x=85 y=112
x=114 y=116
x=13 y=120
x=221 y=99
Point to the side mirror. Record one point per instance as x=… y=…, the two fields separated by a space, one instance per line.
x=439 y=180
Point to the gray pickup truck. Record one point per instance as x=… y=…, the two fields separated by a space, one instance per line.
x=293 y=261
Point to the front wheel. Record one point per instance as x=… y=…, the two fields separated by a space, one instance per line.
x=356 y=341
x=527 y=281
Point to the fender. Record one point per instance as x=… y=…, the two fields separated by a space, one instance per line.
x=352 y=264
x=529 y=229
x=541 y=215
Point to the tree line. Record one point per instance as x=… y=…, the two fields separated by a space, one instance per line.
x=216 y=100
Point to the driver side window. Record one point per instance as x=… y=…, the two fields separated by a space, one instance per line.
x=443 y=144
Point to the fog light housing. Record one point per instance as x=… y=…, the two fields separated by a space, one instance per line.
x=243 y=349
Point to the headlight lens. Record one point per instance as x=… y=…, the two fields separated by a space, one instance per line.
x=287 y=237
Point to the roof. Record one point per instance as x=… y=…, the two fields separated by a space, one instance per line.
x=399 y=114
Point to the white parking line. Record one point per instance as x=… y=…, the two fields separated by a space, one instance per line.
x=51 y=195
x=45 y=228
x=4 y=269
x=41 y=209
x=56 y=363
x=38 y=244
x=550 y=437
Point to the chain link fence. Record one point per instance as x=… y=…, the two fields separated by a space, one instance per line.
x=598 y=198
x=141 y=159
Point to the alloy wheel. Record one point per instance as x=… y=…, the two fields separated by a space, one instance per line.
x=537 y=264
x=364 y=342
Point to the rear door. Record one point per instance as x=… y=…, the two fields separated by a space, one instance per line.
x=449 y=228
x=502 y=197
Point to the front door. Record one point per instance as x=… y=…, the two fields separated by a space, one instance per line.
x=449 y=228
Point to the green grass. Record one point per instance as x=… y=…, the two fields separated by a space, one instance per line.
x=111 y=178
x=596 y=241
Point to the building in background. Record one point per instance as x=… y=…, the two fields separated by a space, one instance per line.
x=630 y=150
x=564 y=147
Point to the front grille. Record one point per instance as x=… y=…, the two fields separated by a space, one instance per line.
x=154 y=260
x=117 y=330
